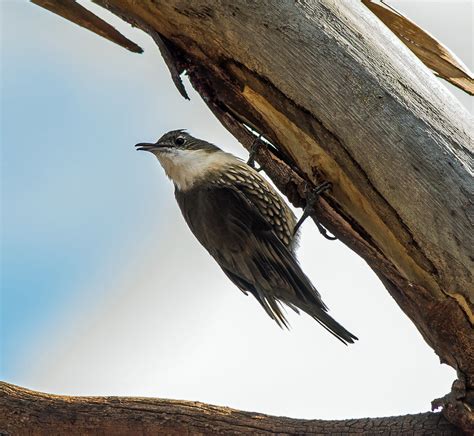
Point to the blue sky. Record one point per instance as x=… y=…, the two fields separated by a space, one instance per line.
x=70 y=177
x=72 y=185
x=94 y=299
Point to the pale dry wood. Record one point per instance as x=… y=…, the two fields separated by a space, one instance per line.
x=73 y=11
x=342 y=100
x=33 y=413
x=428 y=49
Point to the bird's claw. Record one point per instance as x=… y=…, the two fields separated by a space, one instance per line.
x=309 y=210
x=252 y=152
x=324 y=231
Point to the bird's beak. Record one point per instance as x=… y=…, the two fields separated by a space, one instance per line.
x=145 y=146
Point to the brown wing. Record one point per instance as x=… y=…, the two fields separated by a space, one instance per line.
x=264 y=197
x=247 y=248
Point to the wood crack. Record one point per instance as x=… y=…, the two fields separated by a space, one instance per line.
x=326 y=137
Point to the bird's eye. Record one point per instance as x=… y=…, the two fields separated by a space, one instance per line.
x=179 y=140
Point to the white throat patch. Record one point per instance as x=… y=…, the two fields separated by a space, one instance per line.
x=186 y=167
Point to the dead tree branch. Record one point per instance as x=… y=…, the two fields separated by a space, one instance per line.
x=26 y=412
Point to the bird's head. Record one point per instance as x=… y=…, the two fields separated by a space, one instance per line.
x=176 y=143
x=184 y=158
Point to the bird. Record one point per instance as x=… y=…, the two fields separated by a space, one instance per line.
x=244 y=224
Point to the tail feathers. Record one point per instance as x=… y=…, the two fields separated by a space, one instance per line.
x=274 y=307
x=331 y=325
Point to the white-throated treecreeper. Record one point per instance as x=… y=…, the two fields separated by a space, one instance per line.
x=243 y=223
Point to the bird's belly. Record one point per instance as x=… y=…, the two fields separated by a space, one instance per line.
x=211 y=220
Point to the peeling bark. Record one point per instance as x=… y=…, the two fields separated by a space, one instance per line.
x=72 y=11
x=431 y=52
x=341 y=99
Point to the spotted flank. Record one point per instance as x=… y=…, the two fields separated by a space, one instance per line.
x=272 y=207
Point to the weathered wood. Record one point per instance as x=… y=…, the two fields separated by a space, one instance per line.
x=430 y=51
x=73 y=11
x=26 y=412
x=342 y=99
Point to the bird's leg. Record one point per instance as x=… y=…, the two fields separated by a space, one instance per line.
x=309 y=209
x=253 y=151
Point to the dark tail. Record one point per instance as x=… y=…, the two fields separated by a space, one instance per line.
x=331 y=325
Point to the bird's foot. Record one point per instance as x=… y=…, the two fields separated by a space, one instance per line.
x=253 y=151
x=309 y=210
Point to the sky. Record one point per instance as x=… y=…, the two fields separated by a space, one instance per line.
x=105 y=291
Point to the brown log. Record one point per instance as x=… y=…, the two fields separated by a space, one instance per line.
x=25 y=412
x=341 y=99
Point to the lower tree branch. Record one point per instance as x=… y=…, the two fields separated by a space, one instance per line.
x=27 y=412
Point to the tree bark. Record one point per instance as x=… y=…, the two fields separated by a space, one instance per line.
x=341 y=99
x=33 y=413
